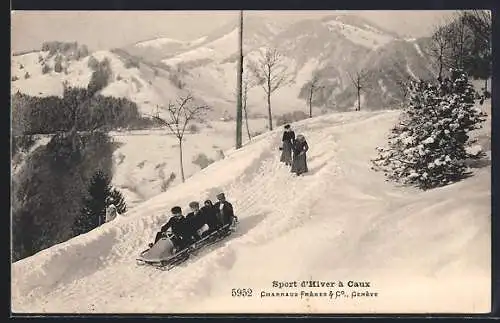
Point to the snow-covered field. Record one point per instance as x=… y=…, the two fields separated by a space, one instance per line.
x=420 y=251
x=145 y=159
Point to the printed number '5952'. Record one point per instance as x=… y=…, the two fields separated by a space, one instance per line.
x=244 y=292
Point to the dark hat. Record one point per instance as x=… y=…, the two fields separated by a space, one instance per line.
x=176 y=210
x=287 y=126
x=221 y=196
x=194 y=204
x=208 y=202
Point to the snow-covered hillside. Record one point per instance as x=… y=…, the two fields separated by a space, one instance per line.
x=141 y=176
x=135 y=83
x=339 y=222
x=331 y=47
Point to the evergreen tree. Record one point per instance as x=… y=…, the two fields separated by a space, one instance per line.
x=58 y=64
x=116 y=198
x=427 y=146
x=100 y=77
x=94 y=210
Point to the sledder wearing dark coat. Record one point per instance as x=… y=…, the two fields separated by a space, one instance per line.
x=195 y=220
x=180 y=229
x=209 y=214
x=224 y=210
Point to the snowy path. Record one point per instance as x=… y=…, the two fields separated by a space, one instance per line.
x=340 y=221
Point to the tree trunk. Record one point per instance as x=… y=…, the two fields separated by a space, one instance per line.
x=461 y=52
x=269 y=103
x=359 y=99
x=239 y=85
x=246 y=118
x=440 y=77
x=310 y=102
x=180 y=158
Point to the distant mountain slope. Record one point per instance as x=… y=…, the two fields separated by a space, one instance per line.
x=331 y=47
x=146 y=84
x=387 y=69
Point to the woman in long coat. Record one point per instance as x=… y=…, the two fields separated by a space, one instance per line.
x=288 y=140
x=300 y=148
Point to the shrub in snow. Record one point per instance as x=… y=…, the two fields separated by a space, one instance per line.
x=220 y=154
x=193 y=128
x=58 y=68
x=45 y=69
x=93 y=63
x=427 y=147
x=166 y=181
x=100 y=77
x=202 y=160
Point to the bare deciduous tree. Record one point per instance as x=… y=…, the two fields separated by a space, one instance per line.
x=270 y=73
x=459 y=37
x=440 y=48
x=359 y=80
x=179 y=116
x=313 y=87
x=245 y=87
x=479 y=21
x=247 y=83
x=404 y=83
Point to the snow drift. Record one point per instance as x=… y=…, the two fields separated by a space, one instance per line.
x=420 y=251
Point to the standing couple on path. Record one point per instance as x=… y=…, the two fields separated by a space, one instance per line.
x=296 y=146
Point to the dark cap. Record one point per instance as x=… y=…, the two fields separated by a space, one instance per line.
x=287 y=126
x=194 y=204
x=221 y=196
x=208 y=202
x=176 y=210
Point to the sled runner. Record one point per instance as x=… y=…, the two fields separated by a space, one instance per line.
x=163 y=255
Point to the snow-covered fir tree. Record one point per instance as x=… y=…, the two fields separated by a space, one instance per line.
x=100 y=195
x=427 y=147
x=116 y=198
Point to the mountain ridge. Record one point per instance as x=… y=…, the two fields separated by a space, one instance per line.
x=332 y=46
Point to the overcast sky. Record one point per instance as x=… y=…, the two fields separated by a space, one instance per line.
x=108 y=29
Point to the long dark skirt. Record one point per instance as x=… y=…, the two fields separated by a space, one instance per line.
x=286 y=153
x=299 y=164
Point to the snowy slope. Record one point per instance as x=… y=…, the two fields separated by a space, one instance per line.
x=132 y=83
x=332 y=46
x=140 y=176
x=216 y=50
x=339 y=222
x=368 y=37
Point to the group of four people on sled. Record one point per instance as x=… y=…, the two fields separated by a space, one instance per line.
x=198 y=223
